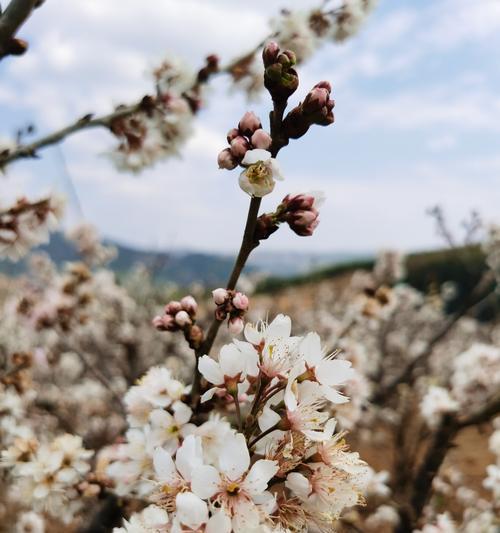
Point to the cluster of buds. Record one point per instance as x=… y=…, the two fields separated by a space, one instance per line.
x=317 y=108
x=233 y=304
x=280 y=78
x=249 y=135
x=299 y=211
x=181 y=316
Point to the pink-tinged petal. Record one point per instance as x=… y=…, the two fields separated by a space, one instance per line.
x=334 y=396
x=230 y=360
x=164 y=466
x=219 y=523
x=210 y=370
x=189 y=456
x=191 y=511
x=246 y=516
x=253 y=156
x=234 y=458
x=334 y=372
x=257 y=479
x=298 y=484
x=209 y=394
x=205 y=481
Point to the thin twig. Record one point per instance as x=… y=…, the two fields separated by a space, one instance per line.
x=30 y=150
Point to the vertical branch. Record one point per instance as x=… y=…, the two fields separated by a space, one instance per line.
x=248 y=243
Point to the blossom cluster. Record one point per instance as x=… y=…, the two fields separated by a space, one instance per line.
x=161 y=125
x=27 y=224
x=274 y=463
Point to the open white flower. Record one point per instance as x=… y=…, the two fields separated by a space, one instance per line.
x=174 y=478
x=236 y=489
x=228 y=373
x=313 y=365
x=274 y=344
x=262 y=169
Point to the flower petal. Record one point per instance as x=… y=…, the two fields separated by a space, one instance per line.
x=191 y=510
x=259 y=475
x=205 y=481
x=211 y=370
x=253 y=156
x=234 y=459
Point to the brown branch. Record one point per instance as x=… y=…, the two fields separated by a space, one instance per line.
x=11 y=20
x=248 y=244
x=441 y=442
x=30 y=150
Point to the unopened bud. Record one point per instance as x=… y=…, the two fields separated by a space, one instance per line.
x=270 y=53
x=261 y=139
x=182 y=319
x=239 y=147
x=240 y=301
x=297 y=202
x=315 y=100
x=189 y=304
x=173 y=307
x=249 y=123
x=219 y=296
x=158 y=322
x=235 y=325
x=295 y=124
x=226 y=160
x=232 y=134
x=281 y=81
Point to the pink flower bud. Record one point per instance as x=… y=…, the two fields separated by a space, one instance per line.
x=232 y=134
x=172 y=308
x=324 y=85
x=189 y=304
x=261 y=139
x=316 y=99
x=240 y=301
x=157 y=322
x=297 y=202
x=235 y=325
x=226 y=160
x=270 y=53
x=182 y=319
x=239 y=147
x=219 y=296
x=249 y=123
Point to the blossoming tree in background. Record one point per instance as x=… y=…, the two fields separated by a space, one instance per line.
x=206 y=421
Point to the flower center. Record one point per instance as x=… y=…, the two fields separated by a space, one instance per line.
x=232 y=489
x=258 y=172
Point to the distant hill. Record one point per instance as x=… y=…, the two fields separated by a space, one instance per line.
x=186 y=267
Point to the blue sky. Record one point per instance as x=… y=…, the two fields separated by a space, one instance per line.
x=417 y=121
